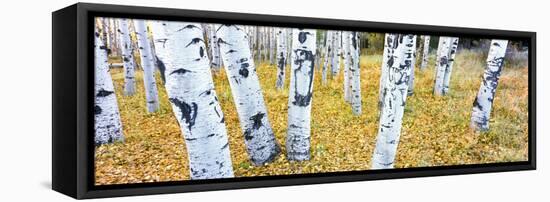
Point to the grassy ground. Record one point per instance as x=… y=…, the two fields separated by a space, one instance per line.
x=435 y=129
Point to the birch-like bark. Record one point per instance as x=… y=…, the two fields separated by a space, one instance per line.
x=117 y=41
x=301 y=94
x=262 y=147
x=281 y=57
x=441 y=65
x=337 y=52
x=127 y=58
x=387 y=61
x=355 y=73
x=206 y=31
x=449 y=68
x=410 y=90
x=391 y=117
x=107 y=124
x=484 y=100
x=425 y=53
x=104 y=31
x=112 y=37
x=328 y=54
x=158 y=64
x=107 y=39
x=148 y=65
x=272 y=45
x=159 y=40
x=346 y=38
x=216 y=58
x=191 y=92
x=258 y=45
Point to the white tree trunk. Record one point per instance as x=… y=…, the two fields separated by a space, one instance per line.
x=107 y=124
x=193 y=98
x=159 y=42
x=258 y=44
x=355 y=73
x=328 y=54
x=301 y=94
x=281 y=57
x=337 y=40
x=272 y=45
x=112 y=37
x=425 y=52
x=216 y=58
x=104 y=31
x=259 y=138
x=387 y=61
x=441 y=65
x=449 y=69
x=347 y=64
x=484 y=100
x=206 y=30
x=391 y=117
x=410 y=90
x=148 y=65
x=107 y=33
x=127 y=58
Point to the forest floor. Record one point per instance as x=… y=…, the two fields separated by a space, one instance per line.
x=435 y=129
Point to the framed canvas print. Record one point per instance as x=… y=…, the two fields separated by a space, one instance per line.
x=157 y=100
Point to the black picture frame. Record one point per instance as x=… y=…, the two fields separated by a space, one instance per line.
x=72 y=101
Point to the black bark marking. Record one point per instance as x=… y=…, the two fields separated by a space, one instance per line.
x=103 y=93
x=243 y=71
x=194 y=41
x=163 y=41
x=294 y=126
x=231 y=51
x=162 y=69
x=206 y=92
x=248 y=134
x=225 y=145
x=354 y=40
x=103 y=47
x=257 y=120
x=281 y=62
x=302 y=36
x=188 y=112
x=97 y=109
x=477 y=105
x=390 y=62
x=217 y=112
x=221 y=41
x=194 y=172
x=180 y=71
x=201 y=51
x=188 y=27
x=303 y=55
x=443 y=61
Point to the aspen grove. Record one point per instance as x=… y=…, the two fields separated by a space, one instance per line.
x=191 y=100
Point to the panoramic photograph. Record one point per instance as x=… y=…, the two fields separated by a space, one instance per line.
x=180 y=101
